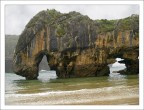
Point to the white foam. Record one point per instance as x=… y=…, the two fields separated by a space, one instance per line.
x=97 y=90
x=117 y=64
x=45 y=76
x=75 y=97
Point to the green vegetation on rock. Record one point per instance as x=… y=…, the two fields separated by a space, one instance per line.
x=105 y=25
x=60 y=31
x=129 y=23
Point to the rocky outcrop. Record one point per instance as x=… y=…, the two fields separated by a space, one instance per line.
x=131 y=61
x=75 y=45
x=10 y=44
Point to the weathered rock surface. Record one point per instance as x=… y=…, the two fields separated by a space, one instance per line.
x=75 y=45
x=10 y=44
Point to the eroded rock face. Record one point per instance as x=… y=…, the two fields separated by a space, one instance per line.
x=75 y=45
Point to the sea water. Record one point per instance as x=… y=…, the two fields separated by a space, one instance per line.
x=114 y=89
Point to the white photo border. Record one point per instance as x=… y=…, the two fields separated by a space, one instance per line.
x=2 y=70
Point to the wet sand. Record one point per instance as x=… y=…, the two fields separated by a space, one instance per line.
x=107 y=96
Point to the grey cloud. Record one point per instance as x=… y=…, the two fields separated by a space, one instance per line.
x=17 y=16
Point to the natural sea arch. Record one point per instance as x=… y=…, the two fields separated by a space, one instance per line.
x=73 y=46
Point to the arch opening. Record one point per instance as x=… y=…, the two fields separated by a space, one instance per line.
x=115 y=69
x=44 y=71
x=43 y=65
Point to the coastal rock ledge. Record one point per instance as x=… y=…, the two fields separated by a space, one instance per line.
x=75 y=45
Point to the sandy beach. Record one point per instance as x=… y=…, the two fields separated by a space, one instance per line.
x=101 y=96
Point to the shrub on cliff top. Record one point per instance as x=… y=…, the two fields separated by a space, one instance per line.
x=105 y=25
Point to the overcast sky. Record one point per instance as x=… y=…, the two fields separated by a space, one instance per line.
x=17 y=16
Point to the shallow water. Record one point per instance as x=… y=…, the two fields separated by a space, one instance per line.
x=114 y=89
x=48 y=90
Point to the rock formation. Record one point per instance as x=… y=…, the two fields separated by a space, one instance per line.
x=75 y=45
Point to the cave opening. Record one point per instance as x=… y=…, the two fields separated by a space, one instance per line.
x=45 y=73
x=115 y=68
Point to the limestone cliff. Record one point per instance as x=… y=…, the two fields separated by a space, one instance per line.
x=75 y=45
